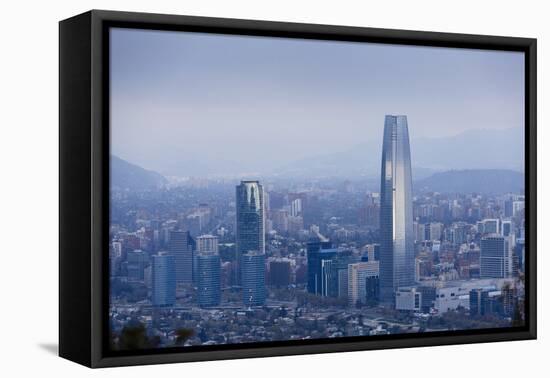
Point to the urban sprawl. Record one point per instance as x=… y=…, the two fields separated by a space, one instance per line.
x=217 y=261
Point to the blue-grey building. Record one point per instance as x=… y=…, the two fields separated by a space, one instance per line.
x=137 y=261
x=253 y=278
x=182 y=246
x=320 y=255
x=209 y=287
x=163 y=280
x=493 y=257
x=396 y=210
x=250 y=232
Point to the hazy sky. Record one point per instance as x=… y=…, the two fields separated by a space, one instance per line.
x=202 y=98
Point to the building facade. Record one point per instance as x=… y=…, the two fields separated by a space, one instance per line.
x=320 y=254
x=163 y=280
x=250 y=230
x=208 y=280
x=396 y=210
x=363 y=278
x=181 y=246
x=253 y=278
x=493 y=259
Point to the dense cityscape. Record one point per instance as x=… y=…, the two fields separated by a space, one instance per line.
x=208 y=261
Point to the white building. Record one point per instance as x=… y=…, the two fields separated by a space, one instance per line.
x=408 y=299
x=357 y=280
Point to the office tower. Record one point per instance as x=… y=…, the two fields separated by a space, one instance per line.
x=507 y=228
x=434 y=231
x=419 y=231
x=296 y=207
x=343 y=283
x=491 y=226
x=250 y=233
x=280 y=220
x=163 y=278
x=253 y=278
x=209 y=274
x=207 y=243
x=484 y=302
x=372 y=252
x=459 y=233
x=363 y=282
x=137 y=261
x=396 y=212
x=408 y=299
x=428 y=296
x=181 y=246
x=508 y=207
x=335 y=273
x=203 y=243
x=493 y=257
x=319 y=256
x=478 y=301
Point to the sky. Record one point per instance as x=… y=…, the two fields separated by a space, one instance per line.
x=213 y=102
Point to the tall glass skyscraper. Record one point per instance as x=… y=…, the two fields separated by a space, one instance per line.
x=320 y=254
x=208 y=271
x=250 y=221
x=253 y=278
x=396 y=210
x=209 y=289
x=163 y=279
x=181 y=246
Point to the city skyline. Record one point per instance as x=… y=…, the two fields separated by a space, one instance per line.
x=210 y=270
x=290 y=211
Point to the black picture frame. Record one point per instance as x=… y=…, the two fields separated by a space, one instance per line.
x=84 y=186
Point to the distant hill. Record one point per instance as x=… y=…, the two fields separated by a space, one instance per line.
x=125 y=175
x=499 y=150
x=473 y=180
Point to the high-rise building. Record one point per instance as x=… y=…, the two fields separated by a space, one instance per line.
x=181 y=246
x=362 y=282
x=408 y=299
x=396 y=210
x=491 y=226
x=250 y=233
x=478 y=301
x=434 y=231
x=137 y=261
x=163 y=279
x=208 y=280
x=493 y=257
x=319 y=257
x=507 y=228
x=203 y=243
x=207 y=243
x=372 y=252
x=253 y=278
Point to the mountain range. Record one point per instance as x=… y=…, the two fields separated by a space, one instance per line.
x=473 y=180
x=487 y=149
x=125 y=175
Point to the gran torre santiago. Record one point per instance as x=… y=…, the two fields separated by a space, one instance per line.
x=396 y=210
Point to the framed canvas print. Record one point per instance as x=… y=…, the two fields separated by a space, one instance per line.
x=234 y=188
